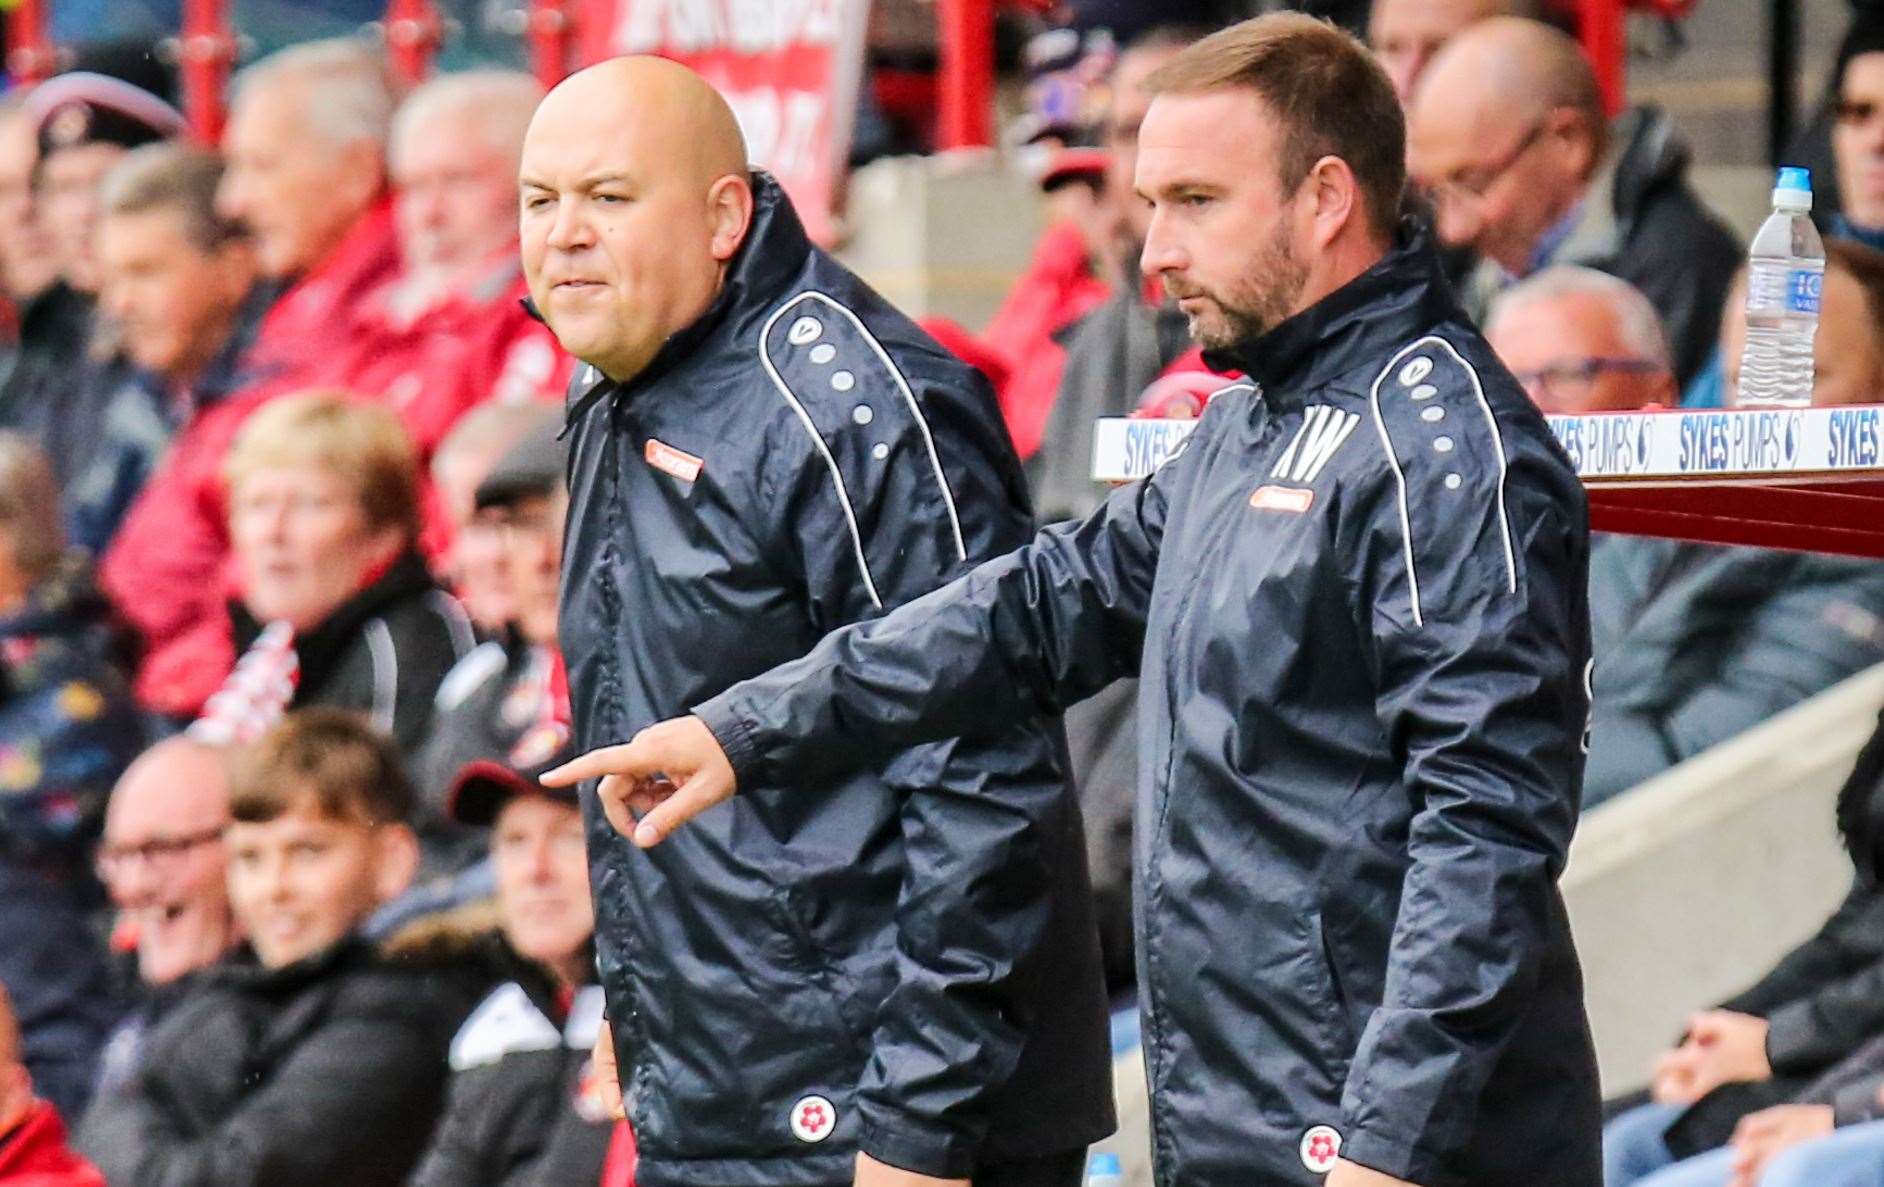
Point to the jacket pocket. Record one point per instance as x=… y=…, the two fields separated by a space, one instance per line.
x=852 y=1016
x=1327 y=998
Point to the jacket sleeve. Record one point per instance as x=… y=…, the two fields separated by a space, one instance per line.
x=1035 y=630
x=1850 y=940
x=1470 y=584
x=1805 y=637
x=911 y=492
x=1851 y=1085
x=427 y=644
x=353 y=1091
x=1805 y=1036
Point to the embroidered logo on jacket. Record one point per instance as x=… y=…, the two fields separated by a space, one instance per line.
x=668 y=460
x=1324 y=430
x=1270 y=497
x=813 y=1119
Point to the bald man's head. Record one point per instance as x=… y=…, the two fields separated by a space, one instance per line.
x=1505 y=131
x=1405 y=34
x=1523 y=67
x=635 y=198
x=163 y=857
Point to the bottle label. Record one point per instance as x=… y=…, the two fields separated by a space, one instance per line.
x=1803 y=286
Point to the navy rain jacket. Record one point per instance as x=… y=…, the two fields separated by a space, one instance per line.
x=908 y=963
x=1356 y=604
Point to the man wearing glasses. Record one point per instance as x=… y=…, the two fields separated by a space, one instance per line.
x=1508 y=137
x=1579 y=340
x=162 y=862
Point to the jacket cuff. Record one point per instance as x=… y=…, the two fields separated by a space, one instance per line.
x=1790 y=1035
x=1855 y=1104
x=907 y=1144
x=730 y=730
x=1389 y=1156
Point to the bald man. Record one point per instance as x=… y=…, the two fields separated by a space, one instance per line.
x=1508 y=136
x=1405 y=34
x=867 y=985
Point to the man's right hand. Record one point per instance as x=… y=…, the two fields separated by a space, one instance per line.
x=669 y=773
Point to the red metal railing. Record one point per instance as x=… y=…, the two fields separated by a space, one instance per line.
x=30 y=55
x=965 y=103
x=205 y=53
x=413 y=33
x=551 y=35
x=1602 y=27
x=965 y=85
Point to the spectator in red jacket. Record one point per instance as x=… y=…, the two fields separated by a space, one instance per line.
x=33 y=1152
x=305 y=174
x=447 y=331
x=306 y=150
x=1067 y=277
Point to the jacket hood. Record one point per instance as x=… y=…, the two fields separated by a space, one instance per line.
x=1647 y=153
x=1358 y=324
x=322 y=645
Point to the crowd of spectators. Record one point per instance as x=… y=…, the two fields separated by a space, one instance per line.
x=281 y=501
x=280 y=899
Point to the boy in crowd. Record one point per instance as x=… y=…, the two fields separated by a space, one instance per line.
x=308 y=1058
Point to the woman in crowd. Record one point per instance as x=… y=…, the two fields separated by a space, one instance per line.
x=334 y=604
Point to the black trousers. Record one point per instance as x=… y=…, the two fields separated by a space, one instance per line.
x=1053 y=1170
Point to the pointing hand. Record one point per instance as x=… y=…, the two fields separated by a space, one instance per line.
x=669 y=773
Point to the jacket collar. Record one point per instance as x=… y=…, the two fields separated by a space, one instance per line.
x=321 y=646
x=242 y=968
x=772 y=254
x=1403 y=295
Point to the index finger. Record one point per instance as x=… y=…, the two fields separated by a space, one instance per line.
x=622 y=760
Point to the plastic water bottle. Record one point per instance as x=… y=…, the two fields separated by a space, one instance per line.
x=1103 y=1170
x=1785 y=273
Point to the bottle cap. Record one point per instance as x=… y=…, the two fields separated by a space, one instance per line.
x=1793 y=189
x=1104 y=1164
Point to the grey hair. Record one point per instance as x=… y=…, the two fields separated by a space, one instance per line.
x=1636 y=319
x=29 y=506
x=497 y=104
x=347 y=93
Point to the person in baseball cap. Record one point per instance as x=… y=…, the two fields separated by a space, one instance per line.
x=501 y=693
x=486 y=786
x=84 y=124
x=556 y=1122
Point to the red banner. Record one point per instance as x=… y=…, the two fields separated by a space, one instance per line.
x=789 y=68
